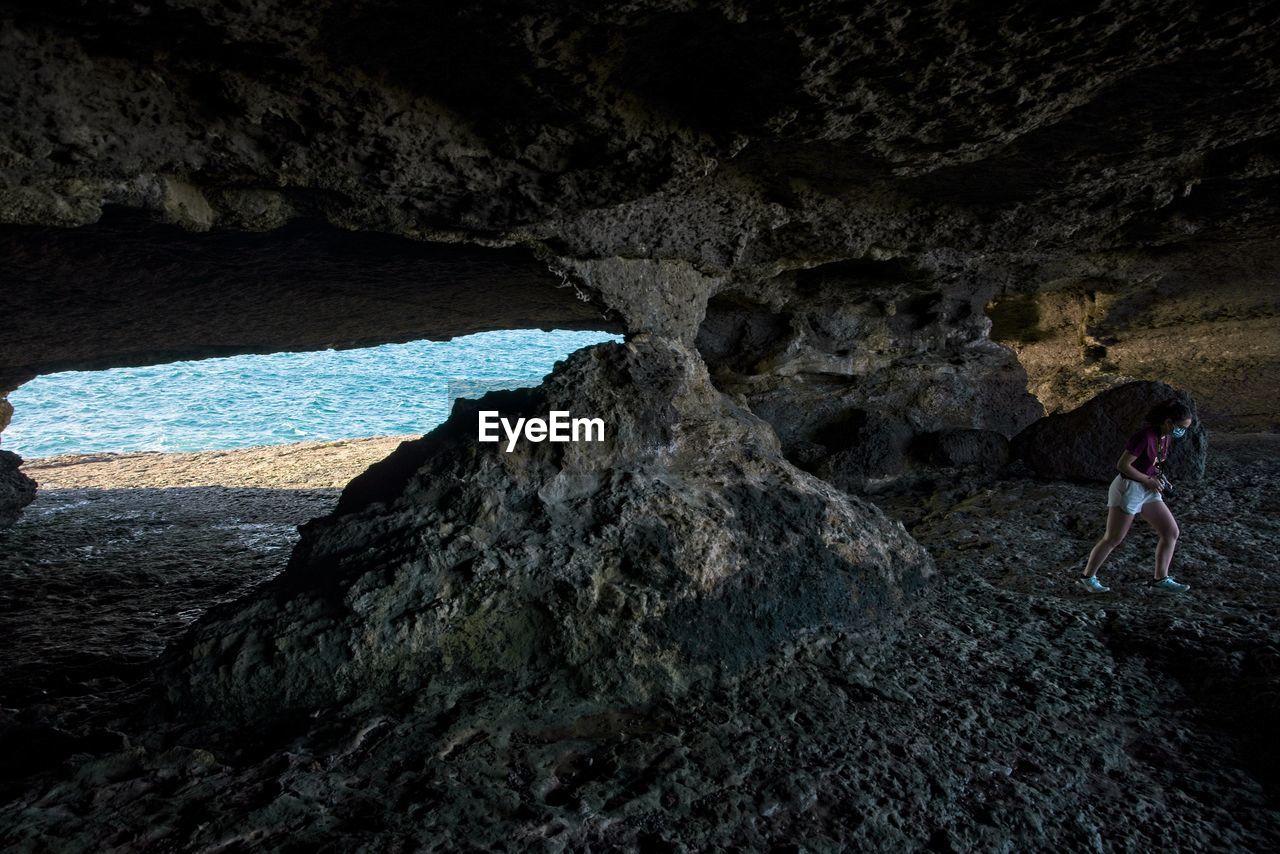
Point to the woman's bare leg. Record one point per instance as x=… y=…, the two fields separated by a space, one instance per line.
x=1118 y=523
x=1160 y=517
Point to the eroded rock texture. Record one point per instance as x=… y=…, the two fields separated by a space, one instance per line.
x=1024 y=155
x=812 y=221
x=1201 y=317
x=806 y=218
x=682 y=547
x=867 y=370
x=959 y=727
x=16 y=489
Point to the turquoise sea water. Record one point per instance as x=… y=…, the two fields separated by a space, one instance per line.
x=239 y=401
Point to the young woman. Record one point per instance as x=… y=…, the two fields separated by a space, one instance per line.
x=1137 y=489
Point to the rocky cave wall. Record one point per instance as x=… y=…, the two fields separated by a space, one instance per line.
x=1125 y=315
x=1115 y=153
x=128 y=291
x=867 y=370
x=810 y=221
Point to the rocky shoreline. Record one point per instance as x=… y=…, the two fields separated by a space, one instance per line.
x=298 y=465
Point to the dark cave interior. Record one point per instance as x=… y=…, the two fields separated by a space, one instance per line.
x=896 y=280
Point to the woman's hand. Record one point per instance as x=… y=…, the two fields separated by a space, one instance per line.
x=1155 y=483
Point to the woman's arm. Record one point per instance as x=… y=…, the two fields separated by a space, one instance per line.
x=1125 y=467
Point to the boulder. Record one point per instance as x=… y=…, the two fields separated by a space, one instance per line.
x=1086 y=443
x=682 y=547
x=16 y=489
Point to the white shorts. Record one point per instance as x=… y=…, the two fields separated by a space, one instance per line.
x=1130 y=495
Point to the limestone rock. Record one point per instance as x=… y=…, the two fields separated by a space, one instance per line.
x=16 y=489
x=1113 y=167
x=1086 y=443
x=859 y=366
x=1087 y=328
x=683 y=547
x=875 y=446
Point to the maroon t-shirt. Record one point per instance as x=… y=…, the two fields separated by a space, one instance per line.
x=1147 y=446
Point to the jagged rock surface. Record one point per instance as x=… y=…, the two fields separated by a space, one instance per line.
x=961 y=726
x=1123 y=151
x=862 y=368
x=16 y=489
x=1086 y=443
x=1101 y=180
x=681 y=548
x=1088 y=328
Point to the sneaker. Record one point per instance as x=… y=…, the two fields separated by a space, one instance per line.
x=1168 y=583
x=1092 y=584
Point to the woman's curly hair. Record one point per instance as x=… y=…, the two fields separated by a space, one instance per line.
x=1175 y=409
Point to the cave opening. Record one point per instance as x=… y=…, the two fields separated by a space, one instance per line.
x=896 y=281
x=278 y=398
x=167 y=489
x=140 y=288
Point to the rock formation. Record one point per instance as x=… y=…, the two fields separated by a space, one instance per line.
x=822 y=210
x=1199 y=316
x=16 y=489
x=680 y=548
x=140 y=292
x=850 y=245
x=1103 y=178
x=865 y=369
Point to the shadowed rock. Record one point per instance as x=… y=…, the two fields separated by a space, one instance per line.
x=986 y=449
x=860 y=366
x=143 y=287
x=16 y=489
x=682 y=547
x=831 y=200
x=1086 y=443
x=1106 y=175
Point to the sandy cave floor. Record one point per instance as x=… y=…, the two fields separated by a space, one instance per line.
x=1005 y=711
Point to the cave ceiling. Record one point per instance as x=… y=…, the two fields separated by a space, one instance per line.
x=250 y=176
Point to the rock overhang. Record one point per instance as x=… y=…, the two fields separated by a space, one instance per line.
x=127 y=290
x=865 y=182
x=987 y=149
